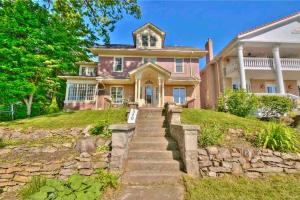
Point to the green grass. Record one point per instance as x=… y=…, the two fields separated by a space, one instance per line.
x=285 y=187
x=225 y=120
x=69 y=119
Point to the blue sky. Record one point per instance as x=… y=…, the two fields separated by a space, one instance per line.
x=190 y=23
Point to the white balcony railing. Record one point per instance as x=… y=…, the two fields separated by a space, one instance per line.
x=257 y=63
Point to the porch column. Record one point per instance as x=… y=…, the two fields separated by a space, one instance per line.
x=278 y=68
x=163 y=92
x=242 y=67
x=67 y=92
x=139 y=91
x=135 y=90
x=159 y=93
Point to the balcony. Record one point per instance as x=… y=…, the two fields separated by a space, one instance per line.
x=256 y=63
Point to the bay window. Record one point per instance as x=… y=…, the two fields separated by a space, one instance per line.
x=116 y=94
x=81 y=92
x=118 y=64
x=179 y=95
x=179 y=65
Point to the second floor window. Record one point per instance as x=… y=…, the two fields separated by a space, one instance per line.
x=152 y=41
x=118 y=64
x=88 y=71
x=179 y=65
x=152 y=60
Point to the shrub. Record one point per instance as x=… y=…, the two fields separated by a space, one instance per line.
x=210 y=135
x=101 y=128
x=238 y=102
x=76 y=187
x=278 y=137
x=274 y=106
x=53 y=108
x=32 y=187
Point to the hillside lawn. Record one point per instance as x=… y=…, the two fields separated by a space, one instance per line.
x=69 y=119
x=277 y=187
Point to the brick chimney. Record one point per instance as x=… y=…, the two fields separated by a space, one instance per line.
x=209 y=49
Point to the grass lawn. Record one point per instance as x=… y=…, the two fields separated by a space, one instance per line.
x=206 y=118
x=69 y=119
x=278 y=187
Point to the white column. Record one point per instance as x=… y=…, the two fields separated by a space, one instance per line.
x=139 y=91
x=135 y=90
x=163 y=92
x=67 y=92
x=278 y=68
x=242 y=68
x=159 y=93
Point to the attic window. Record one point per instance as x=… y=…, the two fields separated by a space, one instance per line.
x=145 y=40
x=152 y=41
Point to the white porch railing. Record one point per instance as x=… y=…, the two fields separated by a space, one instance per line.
x=258 y=63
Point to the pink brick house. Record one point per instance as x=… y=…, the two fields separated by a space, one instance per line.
x=147 y=73
x=264 y=61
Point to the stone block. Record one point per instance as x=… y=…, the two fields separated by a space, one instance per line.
x=84 y=165
x=13 y=169
x=223 y=153
x=226 y=164
x=6 y=176
x=22 y=179
x=271 y=159
x=202 y=152
x=86 y=172
x=32 y=169
x=51 y=167
x=253 y=174
x=212 y=150
x=100 y=165
x=267 y=169
x=236 y=169
x=219 y=169
x=257 y=165
x=67 y=172
x=205 y=163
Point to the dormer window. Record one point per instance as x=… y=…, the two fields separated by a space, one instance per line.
x=152 y=41
x=87 y=71
x=145 y=40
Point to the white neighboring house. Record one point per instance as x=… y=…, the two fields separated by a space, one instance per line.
x=264 y=60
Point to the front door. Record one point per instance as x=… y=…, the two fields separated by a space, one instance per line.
x=149 y=95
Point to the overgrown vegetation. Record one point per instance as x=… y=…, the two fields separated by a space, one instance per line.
x=2 y=143
x=76 y=187
x=274 y=106
x=241 y=188
x=278 y=137
x=239 y=103
x=70 y=119
x=101 y=129
x=210 y=135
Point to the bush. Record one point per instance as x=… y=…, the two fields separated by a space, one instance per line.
x=32 y=187
x=53 y=108
x=101 y=128
x=274 y=106
x=76 y=187
x=278 y=137
x=240 y=103
x=210 y=135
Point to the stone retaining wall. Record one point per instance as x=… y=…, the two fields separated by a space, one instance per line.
x=252 y=162
x=14 y=175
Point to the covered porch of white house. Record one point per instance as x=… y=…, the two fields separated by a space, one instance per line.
x=149 y=81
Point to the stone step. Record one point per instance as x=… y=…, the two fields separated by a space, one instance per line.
x=142 y=154
x=151 y=177
x=165 y=140
x=146 y=130
x=155 y=165
x=150 y=120
x=171 y=145
x=151 y=134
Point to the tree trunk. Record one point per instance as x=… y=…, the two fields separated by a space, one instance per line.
x=28 y=103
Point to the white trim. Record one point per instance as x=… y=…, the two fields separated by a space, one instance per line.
x=179 y=87
x=114 y=64
x=175 y=65
x=123 y=92
x=150 y=58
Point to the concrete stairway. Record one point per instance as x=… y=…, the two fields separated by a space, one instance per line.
x=153 y=158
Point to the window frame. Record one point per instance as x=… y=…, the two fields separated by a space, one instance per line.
x=153 y=36
x=122 y=64
x=273 y=85
x=83 y=89
x=110 y=90
x=147 y=36
x=185 y=99
x=175 y=65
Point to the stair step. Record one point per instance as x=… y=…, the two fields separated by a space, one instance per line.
x=171 y=145
x=150 y=177
x=165 y=140
x=159 y=165
x=142 y=154
x=150 y=130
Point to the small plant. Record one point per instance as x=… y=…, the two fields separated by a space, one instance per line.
x=274 y=106
x=76 y=187
x=53 y=108
x=101 y=128
x=277 y=137
x=2 y=143
x=211 y=135
x=103 y=149
x=32 y=187
x=238 y=102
